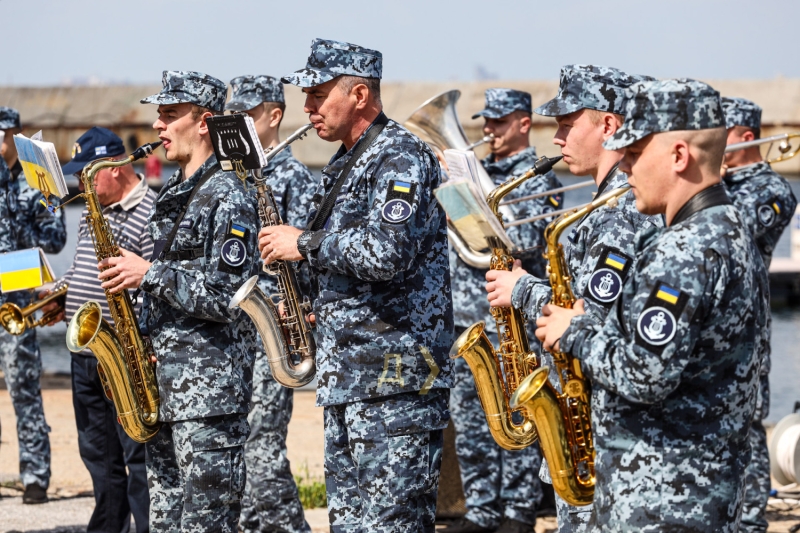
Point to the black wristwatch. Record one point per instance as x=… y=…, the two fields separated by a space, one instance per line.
x=302 y=243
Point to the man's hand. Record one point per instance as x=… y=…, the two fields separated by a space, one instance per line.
x=279 y=242
x=554 y=322
x=125 y=272
x=50 y=307
x=500 y=284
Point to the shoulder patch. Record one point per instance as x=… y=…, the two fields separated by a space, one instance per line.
x=233 y=254
x=658 y=322
x=606 y=282
x=399 y=199
x=768 y=213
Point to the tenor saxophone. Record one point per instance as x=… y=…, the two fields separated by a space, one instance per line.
x=563 y=420
x=499 y=372
x=123 y=354
x=286 y=336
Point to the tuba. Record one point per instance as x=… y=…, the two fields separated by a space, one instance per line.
x=123 y=354
x=499 y=372
x=436 y=120
x=287 y=338
x=15 y=320
x=563 y=420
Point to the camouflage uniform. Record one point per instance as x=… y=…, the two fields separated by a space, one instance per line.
x=384 y=320
x=195 y=463
x=19 y=355
x=497 y=483
x=600 y=243
x=270 y=499
x=678 y=357
x=766 y=203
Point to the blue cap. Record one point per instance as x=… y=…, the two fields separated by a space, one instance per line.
x=9 y=118
x=501 y=102
x=249 y=91
x=97 y=143
x=331 y=59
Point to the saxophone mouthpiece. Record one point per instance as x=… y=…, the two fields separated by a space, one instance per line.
x=545 y=164
x=144 y=151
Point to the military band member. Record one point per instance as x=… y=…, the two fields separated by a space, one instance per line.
x=588 y=109
x=270 y=500
x=678 y=356
x=195 y=464
x=377 y=252
x=501 y=487
x=766 y=203
x=20 y=357
x=116 y=463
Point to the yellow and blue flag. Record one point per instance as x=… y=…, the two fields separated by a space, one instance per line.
x=402 y=186
x=668 y=294
x=616 y=261
x=23 y=269
x=238 y=230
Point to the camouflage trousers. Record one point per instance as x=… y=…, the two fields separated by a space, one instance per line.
x=196 y=474
x=270 y=501
x=571 y=519
x=21 y=362
x=382 y=462
x=757 y=481
x=497 y=483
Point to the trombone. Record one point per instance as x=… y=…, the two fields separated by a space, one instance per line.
x=785 y=149
x=15 y=320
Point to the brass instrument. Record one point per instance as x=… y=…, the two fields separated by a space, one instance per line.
x=123 y=354
x=785 y=148
x=16 y=320
x=287 y=338
x=498 y=372
x=436 y=121
x=563 y=420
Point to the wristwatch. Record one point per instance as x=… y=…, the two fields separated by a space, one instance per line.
x=302 y=243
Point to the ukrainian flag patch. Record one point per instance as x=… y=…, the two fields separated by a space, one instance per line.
x=668 y=294
x=608 y=278
x=401 y=186
x=616 y=261
x=238 y=230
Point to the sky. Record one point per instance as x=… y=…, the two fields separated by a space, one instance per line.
x=55 y=42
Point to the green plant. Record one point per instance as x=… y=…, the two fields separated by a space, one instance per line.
x=310 y=489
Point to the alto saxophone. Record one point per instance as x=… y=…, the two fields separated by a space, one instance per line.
x=286 y=336
x=123 y=354
x=563 y=419
x=498 y=373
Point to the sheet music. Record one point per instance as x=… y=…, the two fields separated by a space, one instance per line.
x=470 y=215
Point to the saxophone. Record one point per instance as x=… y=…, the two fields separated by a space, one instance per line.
x=287 y=337
x=563 y=419
x=498 y=373
x=123 y=354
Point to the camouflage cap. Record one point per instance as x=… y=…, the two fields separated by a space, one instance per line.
x=330 y=59
x=590 y=87
x=184 y=86
x=249 y=91
x=667 y=105
x=501 y=102
x=9 y=118
x=741 y=112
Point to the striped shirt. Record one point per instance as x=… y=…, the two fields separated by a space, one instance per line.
x=128 y=222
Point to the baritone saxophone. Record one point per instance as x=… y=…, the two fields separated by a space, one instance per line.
x=563 y=420
x=499 y=372
x=123 y=354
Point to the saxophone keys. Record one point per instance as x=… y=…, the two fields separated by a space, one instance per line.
x=574 y=388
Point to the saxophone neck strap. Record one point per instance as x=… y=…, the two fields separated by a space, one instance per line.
x=327 y=204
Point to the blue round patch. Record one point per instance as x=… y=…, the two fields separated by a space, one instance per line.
x=234 y=252
x=396 y=211
x=605 y=285
x=766 y=215
x=656 y=325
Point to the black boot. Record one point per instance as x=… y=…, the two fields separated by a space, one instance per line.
x=509 y=525
x=462 y=525
x=34 y=493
